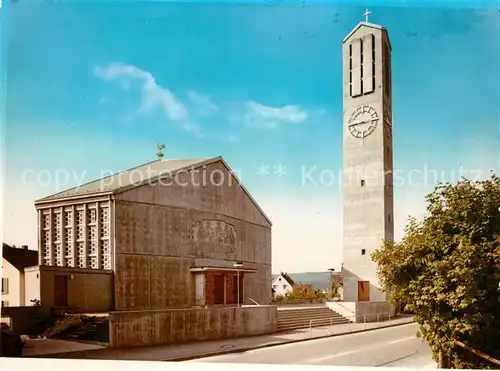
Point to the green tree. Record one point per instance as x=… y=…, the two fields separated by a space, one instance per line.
x=446 y=269
x=334 y=288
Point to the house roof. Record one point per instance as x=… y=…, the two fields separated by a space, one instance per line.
x=288 y=279
x=131 y=177
x=141 y=175
x=20 y=258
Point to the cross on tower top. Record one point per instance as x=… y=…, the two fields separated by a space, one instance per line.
x=366 y=14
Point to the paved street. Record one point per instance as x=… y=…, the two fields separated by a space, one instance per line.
x=387 y=347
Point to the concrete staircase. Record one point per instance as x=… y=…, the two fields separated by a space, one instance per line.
x=299 y=318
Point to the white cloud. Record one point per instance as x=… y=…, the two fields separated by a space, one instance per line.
x=153 y=95
x=268 y=117
x=203 y=103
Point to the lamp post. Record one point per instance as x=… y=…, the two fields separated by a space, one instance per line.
x=238 y=265
x=331 y=270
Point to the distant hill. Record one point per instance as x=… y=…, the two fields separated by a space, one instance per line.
x=319 y=280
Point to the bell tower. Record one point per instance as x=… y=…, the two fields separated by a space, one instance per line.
x=367 y=157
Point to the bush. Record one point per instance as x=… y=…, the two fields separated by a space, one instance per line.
x=446 y=270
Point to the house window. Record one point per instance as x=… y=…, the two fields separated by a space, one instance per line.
x=5 y=285
x=284 y=287
x=274 y=286
x=362 y=182
x=363 y=251
x=389 y=217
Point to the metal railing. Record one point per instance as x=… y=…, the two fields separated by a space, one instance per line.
x=343 y=306
x=386 y=316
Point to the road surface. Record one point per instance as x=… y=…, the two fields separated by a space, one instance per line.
x=388 y=347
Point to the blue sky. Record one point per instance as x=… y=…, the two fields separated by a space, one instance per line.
x=93 y=86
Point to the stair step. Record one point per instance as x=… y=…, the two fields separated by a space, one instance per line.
x=308 y=314
x=314 y=316
x=314 y=323
x=307 y=317
x=315 y=320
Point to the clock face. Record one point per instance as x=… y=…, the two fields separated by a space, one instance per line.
x=363 y=121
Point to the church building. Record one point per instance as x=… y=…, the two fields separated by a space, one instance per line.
x=168 y=234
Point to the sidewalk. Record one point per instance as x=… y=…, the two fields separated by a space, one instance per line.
x=184 y=352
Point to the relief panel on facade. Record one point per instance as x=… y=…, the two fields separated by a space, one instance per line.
x=217 y=233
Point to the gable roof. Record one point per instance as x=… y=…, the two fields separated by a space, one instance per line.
x=20 y=258
x=141 y=175
x=288 y=278
x=371 y=25
x=135 y=176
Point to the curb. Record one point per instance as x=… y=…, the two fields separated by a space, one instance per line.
x=270 y=345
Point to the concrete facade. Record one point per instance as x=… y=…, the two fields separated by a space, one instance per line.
x=363 y=311
x=183 y=325
x=368 y=158
x=163 y=235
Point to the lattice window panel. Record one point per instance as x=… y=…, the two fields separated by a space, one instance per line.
x=92 y=262
x=57 y=227
x=58 y=255
x=46 y=221
x=46 y=247
x=92 y=215
x=80 y=225
x=92 y=241
x=56 y=239
x=68 y=218
x=80 y=254
x=105 y=255
x=104 y=219
x=68 y=247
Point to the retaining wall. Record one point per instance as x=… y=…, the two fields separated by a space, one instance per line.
x=155 y=327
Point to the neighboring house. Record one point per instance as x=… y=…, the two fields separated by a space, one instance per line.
x=283 y=284
x=16 y=290
x=167 y=234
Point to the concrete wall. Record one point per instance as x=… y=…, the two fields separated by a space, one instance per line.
x=363 y=311
x=31 y=284
x=88 y=289
x=367 y=209
x=15 y=285
x=162 y=230
x=25 y=319
x=146 y=328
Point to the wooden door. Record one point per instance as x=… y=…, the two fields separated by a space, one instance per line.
x=363 y=291
x=219 y=289
x=60 y=291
